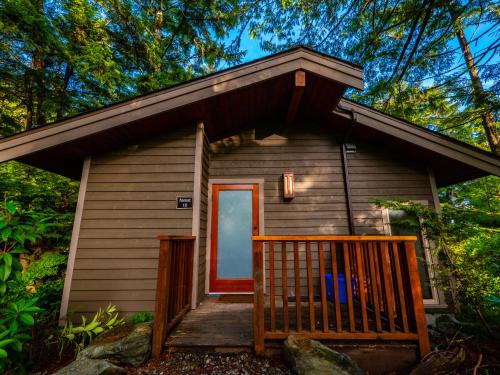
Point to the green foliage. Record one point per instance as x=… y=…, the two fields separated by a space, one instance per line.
x=141 y=317
x=80 y=336
x=16 y=322
x=477 y=272
x=468 y=250
x=50 y=197
x=18 y=229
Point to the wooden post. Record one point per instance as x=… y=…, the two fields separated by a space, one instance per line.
x=418 y=302
x=258 y=297
x=162 y=297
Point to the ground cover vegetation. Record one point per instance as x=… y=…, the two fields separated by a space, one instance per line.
x=434 y=63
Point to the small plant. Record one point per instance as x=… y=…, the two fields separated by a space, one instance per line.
x=80 y=336
x=16 y=321
x=141 y=317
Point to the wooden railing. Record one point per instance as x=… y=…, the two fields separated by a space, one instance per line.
x=375 y=291
x=173 y=286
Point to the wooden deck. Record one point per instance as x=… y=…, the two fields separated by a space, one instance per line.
x=215 y=325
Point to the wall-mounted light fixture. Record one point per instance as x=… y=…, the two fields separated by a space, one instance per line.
x=350 y=148
x=288 y=185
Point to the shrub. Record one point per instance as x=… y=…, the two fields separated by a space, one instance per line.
x=141 y=317
x=15 y=326
x=80 y=336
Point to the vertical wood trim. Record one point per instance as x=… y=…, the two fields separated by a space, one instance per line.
x=74 y=240
x=434 y=190
x=195 y=228
x=347 y=189
x=208 y=241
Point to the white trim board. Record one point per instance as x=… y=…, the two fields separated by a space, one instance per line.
x=195 y=227
x=74 y=240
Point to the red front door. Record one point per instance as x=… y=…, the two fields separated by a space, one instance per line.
x=235 y=218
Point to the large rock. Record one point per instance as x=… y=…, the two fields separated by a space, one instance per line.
x=106 y=359
x=309 y=357
x=91 y=367
x=131 y=350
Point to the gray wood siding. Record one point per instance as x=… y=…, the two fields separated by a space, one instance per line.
x=319 y=206
x=130 y=200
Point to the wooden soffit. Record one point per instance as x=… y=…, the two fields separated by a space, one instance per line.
x=184 y=95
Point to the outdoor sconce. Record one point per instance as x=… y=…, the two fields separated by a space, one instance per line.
x=288 y=185
x=350 y=148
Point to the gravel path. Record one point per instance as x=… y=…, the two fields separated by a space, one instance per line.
x=212 y=364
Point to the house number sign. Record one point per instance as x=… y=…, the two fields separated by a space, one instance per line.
x=184 y=203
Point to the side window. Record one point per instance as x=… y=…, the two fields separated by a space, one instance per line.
x=402 y=224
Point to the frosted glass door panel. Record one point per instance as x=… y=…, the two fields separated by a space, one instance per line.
x=234 y=236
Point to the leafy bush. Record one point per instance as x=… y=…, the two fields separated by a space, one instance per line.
x=469 y=253
x=80 y=336
x=141 y=317
x=16 y=322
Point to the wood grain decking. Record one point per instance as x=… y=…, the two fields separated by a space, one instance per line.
x=215 y=325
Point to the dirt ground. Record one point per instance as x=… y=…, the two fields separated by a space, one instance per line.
x=212 y=364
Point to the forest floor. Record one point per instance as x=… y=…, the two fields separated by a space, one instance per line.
x=212 y=364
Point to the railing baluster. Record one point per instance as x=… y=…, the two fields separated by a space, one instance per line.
x=324 y=304
x=284 y=280
x=361 y=285
x=272 y=290
x=258 y=296
x=386 y=267
x=350 y=304
x=373 y=272
x=377 y=274
x=418 y=302
x=335 y=275
x=399 y=280
x=296 y=265
x=310 y=289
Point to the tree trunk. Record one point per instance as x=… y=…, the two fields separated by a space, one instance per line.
x=38 y=66
x=479 y=95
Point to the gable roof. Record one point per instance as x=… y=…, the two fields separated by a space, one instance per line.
x=240 y=97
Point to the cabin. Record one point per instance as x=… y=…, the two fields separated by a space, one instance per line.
x=239 y=207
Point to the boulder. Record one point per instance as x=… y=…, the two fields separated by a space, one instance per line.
x=309 y=357
x=106 y=358
x=91 y=367
x=131 y=350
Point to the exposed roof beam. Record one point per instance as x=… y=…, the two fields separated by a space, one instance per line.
x=297 y=91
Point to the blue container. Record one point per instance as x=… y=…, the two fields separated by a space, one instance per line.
x=342 y=288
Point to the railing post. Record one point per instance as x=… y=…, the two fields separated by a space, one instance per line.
x=418 y=302
x=258 y=297
x=162 y=296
